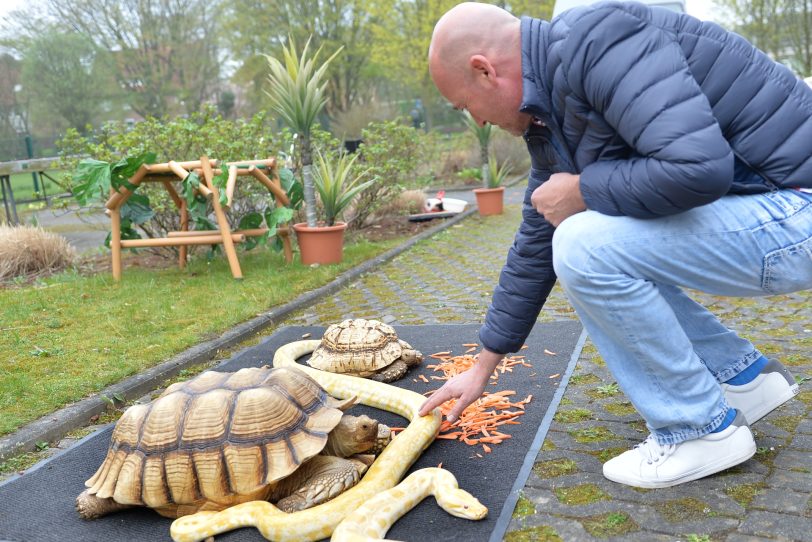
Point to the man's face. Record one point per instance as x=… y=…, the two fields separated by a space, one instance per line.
x=496 y=101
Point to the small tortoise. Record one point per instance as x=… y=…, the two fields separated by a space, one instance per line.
x=222 y=439
x=366 y=348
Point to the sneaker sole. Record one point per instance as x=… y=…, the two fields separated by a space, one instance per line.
x=706 y=470
x=766 y=404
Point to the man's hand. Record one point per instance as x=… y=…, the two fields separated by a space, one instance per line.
x=558 y=198
x=466 y=387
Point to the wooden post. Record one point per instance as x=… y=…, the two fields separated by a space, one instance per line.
x=115 y=242
x=180 y=203
x=184 y=226
x=285 y=234
x=230 y=184
x=222 y=221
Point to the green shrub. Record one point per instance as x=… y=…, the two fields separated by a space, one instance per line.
x=181 y=139
x=392 y=151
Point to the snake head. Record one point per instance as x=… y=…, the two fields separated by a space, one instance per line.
x=462 y=504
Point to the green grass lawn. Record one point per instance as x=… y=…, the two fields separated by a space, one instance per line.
x=72 y=335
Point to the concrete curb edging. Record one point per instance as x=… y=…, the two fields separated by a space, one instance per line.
x=57 y=424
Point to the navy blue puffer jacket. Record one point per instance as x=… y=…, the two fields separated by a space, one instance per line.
x=658 y=113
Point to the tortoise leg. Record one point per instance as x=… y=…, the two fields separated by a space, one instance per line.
x=391 y=372
x=92 y=507
x=328 y=477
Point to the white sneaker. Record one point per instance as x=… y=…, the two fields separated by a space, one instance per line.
x=773 y=387
x=652 y=465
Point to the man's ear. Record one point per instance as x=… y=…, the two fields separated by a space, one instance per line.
x=484 y=71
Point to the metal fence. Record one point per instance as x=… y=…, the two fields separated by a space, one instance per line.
x=25 y=147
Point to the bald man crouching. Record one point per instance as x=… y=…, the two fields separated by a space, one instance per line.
x=667 y=154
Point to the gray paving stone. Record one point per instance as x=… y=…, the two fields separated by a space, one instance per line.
x=799 y=481
x=781 y=500
x=805 y=427
x=802 y=442
x=778 y=526
x=737 y=537
x=791 y=459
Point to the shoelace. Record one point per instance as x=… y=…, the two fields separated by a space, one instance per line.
x=653 y=452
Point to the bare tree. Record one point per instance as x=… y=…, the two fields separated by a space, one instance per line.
x=62 y=73
x=327 y=23
x=165 y=51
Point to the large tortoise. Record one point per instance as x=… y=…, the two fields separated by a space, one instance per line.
x=366 y=348
x=222 y=439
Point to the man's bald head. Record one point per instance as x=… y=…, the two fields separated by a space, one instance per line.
x=475 y=59
x=467 y=29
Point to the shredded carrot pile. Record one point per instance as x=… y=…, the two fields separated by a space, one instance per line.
x=451 y=366
x=483 y=421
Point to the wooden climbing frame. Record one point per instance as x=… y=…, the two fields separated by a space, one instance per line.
x=207 y=169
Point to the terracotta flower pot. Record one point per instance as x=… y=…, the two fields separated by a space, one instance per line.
x=490 y=200
x=322 y=244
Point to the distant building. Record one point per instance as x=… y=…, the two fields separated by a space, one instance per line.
x=563 y=5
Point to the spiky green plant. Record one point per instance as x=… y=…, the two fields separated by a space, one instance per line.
x=338 y=183
x=483 y=136
x=297 y=93
x=497 y=173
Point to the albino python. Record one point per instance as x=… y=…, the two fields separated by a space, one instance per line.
x=319 y=522
x=370 y=522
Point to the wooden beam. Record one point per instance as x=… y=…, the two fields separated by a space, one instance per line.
x=230 y=185
x=119 y=197
x=197 y=233
x=222 y=221
x=115 y=242
x=212 y=239
x=277 y=191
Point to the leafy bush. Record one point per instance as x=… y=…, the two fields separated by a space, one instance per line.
x=180 y=139
x=393 y=152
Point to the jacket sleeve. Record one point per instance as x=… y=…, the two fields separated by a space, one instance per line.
x=525 y=281
x=635 y=75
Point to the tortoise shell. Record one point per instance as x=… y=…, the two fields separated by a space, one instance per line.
x=357 y=346
x=220 y=438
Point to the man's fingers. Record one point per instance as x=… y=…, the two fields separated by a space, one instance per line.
x=456 y=412
x=437 y=398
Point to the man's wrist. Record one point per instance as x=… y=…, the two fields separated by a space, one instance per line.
x=488 y=360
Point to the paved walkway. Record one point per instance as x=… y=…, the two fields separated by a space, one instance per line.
x=449 y=279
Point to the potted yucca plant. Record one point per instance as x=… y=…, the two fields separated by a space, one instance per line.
x=297 y=93
x=338 y=182
x=490 y=199
x=483 y=136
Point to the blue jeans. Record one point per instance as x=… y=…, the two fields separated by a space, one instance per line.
x=669 y=354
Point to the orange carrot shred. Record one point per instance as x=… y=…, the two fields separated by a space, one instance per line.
x=478 y=423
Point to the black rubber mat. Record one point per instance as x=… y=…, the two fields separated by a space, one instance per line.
x=39 y=505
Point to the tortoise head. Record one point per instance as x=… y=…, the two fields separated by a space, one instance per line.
x=352 y=435
x=409 y=355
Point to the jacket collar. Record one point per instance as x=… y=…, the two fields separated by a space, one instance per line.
x=535 y=94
